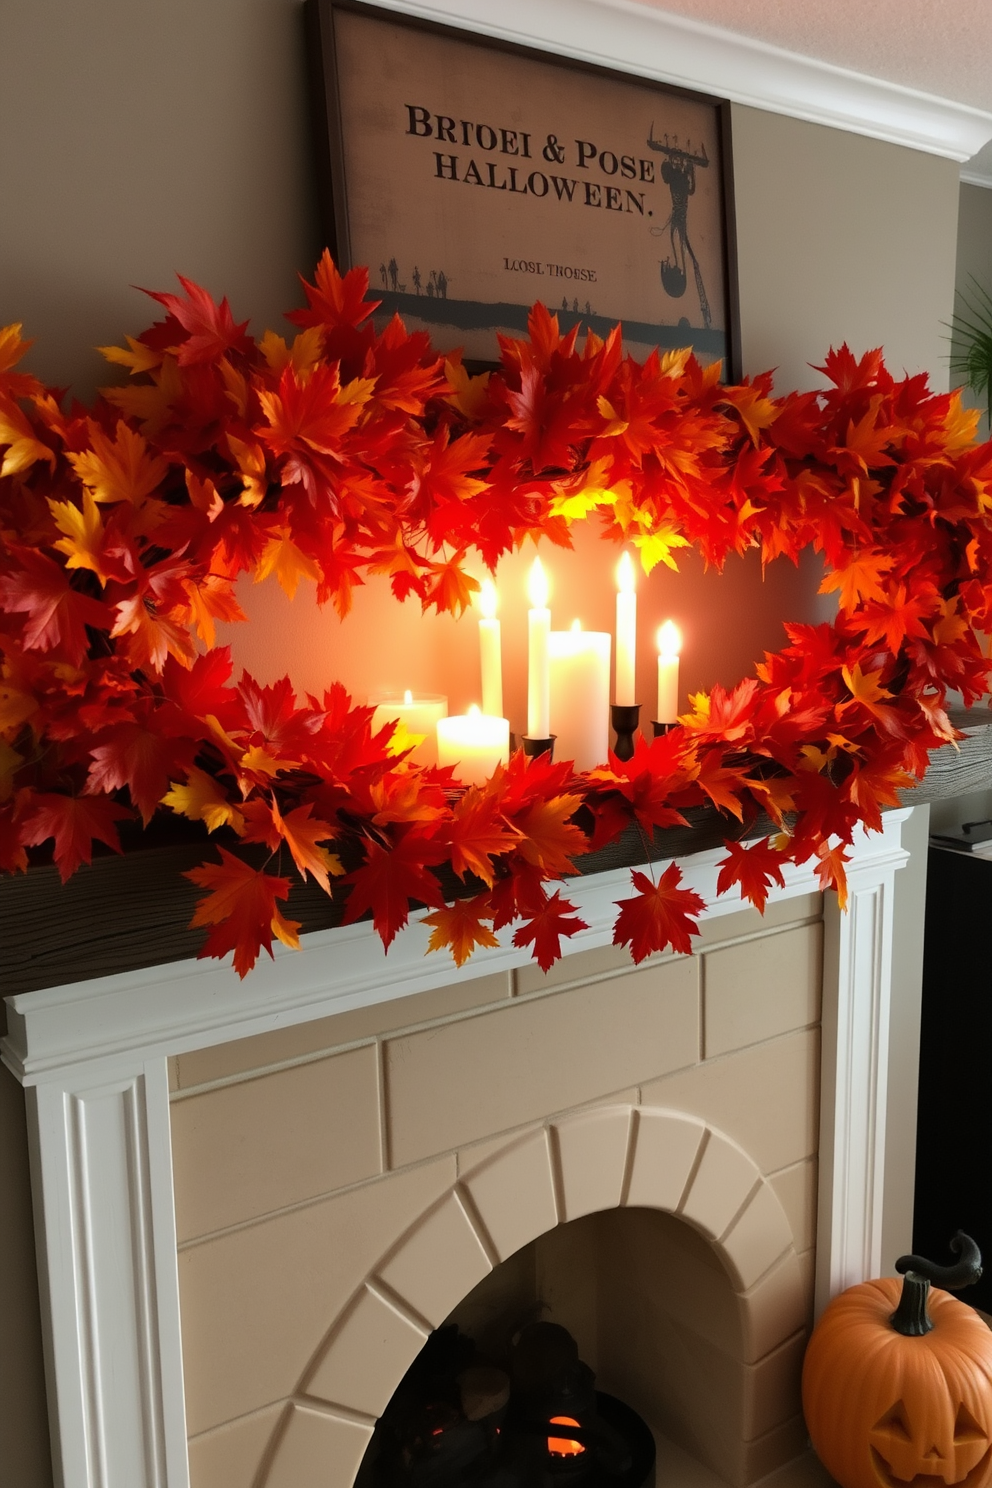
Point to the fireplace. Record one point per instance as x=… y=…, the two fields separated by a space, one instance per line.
x=257 y=1202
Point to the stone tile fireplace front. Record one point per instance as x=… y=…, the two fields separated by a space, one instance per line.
x=256 y=1201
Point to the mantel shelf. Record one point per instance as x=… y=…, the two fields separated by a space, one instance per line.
x=132 y=911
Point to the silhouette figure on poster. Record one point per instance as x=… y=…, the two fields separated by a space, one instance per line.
x=678 y=171
x=416 y=278
x=394 y=273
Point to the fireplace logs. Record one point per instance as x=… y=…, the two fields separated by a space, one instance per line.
x=532 y=1420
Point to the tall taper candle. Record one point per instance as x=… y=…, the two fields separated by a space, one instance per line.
x=669 y=644
x=626 y=676
x=490 y=651
x=538 y=675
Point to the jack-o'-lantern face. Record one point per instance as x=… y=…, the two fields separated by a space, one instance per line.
x=938 y=1448
x=889 y=1411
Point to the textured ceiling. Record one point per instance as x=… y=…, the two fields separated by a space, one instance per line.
x=943 y=49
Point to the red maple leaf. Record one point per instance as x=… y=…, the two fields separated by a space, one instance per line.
x=544 y=928
x=754 y=868
x=388 y=880
x=142 y=760
x=75 y=822
x=335 y=299
x=241 y=909
x=210 y=328
x=659 y=915
x=57 y=614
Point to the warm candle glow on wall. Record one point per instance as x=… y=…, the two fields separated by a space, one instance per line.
x=538 y=631
x=626 y=673
x=669 y=646
x=490 y=650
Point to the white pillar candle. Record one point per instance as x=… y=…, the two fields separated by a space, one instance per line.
x=580 y=695
x=626 y=679
x=538 y=631
x=475 y=743
x=669 y=644
x=490 y=651
x=418 y=715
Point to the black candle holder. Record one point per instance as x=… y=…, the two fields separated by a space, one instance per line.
x=625 y=717
x=662 y=728
x=534 y=747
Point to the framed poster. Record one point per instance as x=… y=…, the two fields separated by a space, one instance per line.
x=474 y=177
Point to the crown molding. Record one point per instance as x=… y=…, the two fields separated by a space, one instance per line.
x=977 y=178
x=637 y=38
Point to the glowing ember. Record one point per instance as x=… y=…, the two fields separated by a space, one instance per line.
x=563 y=1446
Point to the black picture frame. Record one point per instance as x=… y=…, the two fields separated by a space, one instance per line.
x=357 y=105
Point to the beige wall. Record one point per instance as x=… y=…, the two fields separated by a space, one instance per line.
x=974 y=260
x=140 y=139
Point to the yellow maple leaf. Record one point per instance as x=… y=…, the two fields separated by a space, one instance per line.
x=250 y=460
x=615 y=423
x=290 y=564
x=83 y=534
x=12 y=346
x=864 y=688
x=140 y=358
x=303 y=355
x=673 y=363
x=24 y=449
x=120 y=469
x=960 y=426
x=656 y=547
x=258 y=761
x=469 y=392
x=573 y=502
x=15 y=708
x=150 y=404
x=202 y=799
x=235 y=386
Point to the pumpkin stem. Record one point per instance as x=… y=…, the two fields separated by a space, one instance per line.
x=964 y=1273
x=911 y=1317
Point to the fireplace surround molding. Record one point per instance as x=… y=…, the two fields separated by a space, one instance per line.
x=93 y=1059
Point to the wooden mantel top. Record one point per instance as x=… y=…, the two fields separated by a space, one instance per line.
x=130 y=911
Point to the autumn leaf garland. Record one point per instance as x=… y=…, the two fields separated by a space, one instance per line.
x=345 y=452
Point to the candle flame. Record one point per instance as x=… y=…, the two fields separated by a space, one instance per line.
x=474 y=711
x=537 y=586
x=407 y=698
x=576 y=625
x=669 y=640
x=488 y=599
x=625 y=575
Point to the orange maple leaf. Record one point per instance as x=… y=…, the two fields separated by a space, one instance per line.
x=289 y=563
x=461 y=927
x=860 y=579
x=241 y=908
x=547 y=836
x=119 y=469
x=24 y=446
x=302 y=834
x=83 y=537
x=478 y=833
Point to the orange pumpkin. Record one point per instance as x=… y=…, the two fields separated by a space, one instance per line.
x=896 y=1393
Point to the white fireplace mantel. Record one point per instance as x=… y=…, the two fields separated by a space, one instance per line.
x=93 y=1058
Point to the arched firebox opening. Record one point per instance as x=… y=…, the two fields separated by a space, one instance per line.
x=651 y=1237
